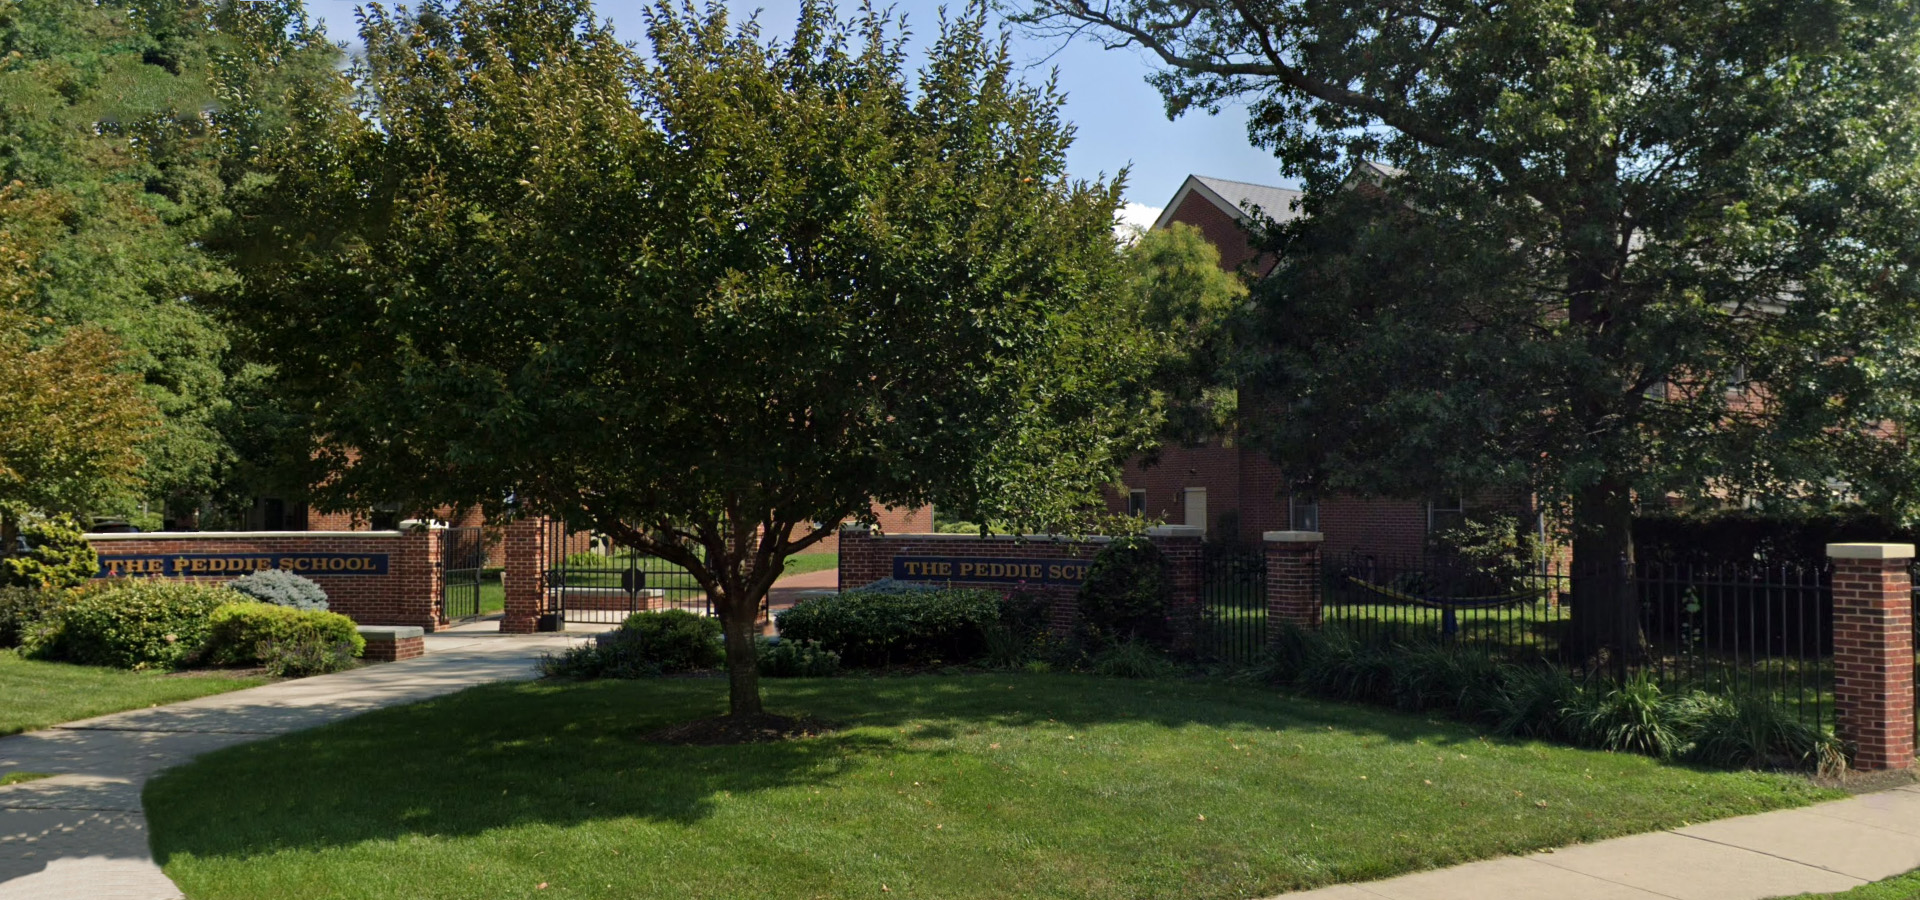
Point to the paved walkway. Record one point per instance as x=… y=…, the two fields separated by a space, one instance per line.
x=82 y=835
x=1826 y=848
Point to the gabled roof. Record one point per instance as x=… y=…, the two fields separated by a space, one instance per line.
x=1236 y=198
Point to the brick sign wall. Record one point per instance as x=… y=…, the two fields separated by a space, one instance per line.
x=372 y=577
x=1029 y=562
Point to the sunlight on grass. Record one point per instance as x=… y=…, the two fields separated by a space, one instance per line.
x=39 y=694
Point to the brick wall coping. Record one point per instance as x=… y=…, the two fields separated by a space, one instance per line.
x=238 y=535
x=390 y=632
x=1870 y=551
x=1292 y=537
x=1176 y=531
x=1018 y=538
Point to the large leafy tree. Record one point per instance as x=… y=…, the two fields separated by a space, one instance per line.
x=1192 y=305
x=111 y=114
x=70 y=421
x=711 y=299
x=1616 y=252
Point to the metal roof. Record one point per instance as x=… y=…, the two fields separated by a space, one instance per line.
x=1238 y=198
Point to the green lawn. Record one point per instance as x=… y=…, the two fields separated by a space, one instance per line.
x=983 y=786
x=810 y=562
x=1899 y=887
x=39 y=694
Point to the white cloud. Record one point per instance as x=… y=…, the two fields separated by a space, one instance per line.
x=1134 y=218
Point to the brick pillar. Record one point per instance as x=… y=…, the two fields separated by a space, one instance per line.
x=1182 y=545
x=417 y=585
x=1293 y=579
x=856 y=546
x=525 y=580
x=1873 y=653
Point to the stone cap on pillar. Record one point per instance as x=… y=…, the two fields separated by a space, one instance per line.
x=1870 y=551
x=1176 y=531
x=1292 y=537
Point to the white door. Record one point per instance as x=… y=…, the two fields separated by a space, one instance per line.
x=1197 y=507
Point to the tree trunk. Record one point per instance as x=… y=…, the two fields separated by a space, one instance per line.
x=740 y=624
x=1606 y=608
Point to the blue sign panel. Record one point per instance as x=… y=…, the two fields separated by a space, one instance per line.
x=961 y=569
x=233 y=565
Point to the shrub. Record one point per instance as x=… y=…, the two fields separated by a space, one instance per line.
x=58 y=557
x=304 y=656
x=618 y=658
x=1749 y=731
x=22 y=609
x=281 y=588
x=871 y=627
x=1127 y=594
x=795 y=659
x=236 y=631
x=674 y=640
x=1132 y=660
x=1634 y=716
x=131 y=624
x=1529 y=701
x=1020 y=634
x=1439 y=677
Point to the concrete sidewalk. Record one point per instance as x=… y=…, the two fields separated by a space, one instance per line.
x=82 y=834
x=1826 y=848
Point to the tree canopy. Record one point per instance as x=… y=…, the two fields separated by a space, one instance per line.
x=110 y=121
x=1610 y=252
x=712 y=298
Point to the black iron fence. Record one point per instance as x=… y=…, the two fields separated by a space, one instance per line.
x=1233 y=604
x=463 y=556
x=1765 y=631
x=591 y=580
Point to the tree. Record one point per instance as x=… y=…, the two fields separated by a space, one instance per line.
x=711 y=300
x=112 y=118
x=70 y=422
x=1192 y=305
x=1622 y=250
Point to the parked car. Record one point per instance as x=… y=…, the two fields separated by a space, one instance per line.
x=112 y=526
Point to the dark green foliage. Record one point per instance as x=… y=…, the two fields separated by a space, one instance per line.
x=131 y=624
x=1434 y=677
x=1132 y=659
x=1021 y=634
x=896 y=627
x=282 y=588
x=1496 y=547
x=236 y=631
x=1746 y=537
x=1749 y=731
x=1127 y=594
x=310 y=654
x=615 y=658
x=58 y=556
x=796 y=659
x=1529 y=701
x=1635 y=717
x=674 y=639
x=22 y=609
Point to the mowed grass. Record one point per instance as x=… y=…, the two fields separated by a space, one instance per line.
x=982 y=786
x=37 y=694
x=1899 y=887
x=810 y=562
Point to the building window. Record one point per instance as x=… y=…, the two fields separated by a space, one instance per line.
x=1195 y=499
x=1737 y=381
x=1445 y=512
x=1136 y=503
x=1303 y=511
x=385 y=517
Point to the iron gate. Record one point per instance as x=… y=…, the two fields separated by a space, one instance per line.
x=1233 y=603
x=463 y=554
x=592 y=581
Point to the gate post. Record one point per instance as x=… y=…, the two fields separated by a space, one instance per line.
x=419 y=599
x=1293 y=580
x=1183 y=545
x=1873 y=653
x=525 y=580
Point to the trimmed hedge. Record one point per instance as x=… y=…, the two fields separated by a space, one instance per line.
x=237 y=631
x=130 y=624
x=674 y=639
x=880 y=627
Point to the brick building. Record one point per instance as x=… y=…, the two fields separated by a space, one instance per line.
x=1234 y=491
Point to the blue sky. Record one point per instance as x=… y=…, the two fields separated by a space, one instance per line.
x=1120 y=118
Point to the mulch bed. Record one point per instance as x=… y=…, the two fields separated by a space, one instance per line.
x=721 y=731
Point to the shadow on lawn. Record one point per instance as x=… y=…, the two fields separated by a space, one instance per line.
x=562 y=754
